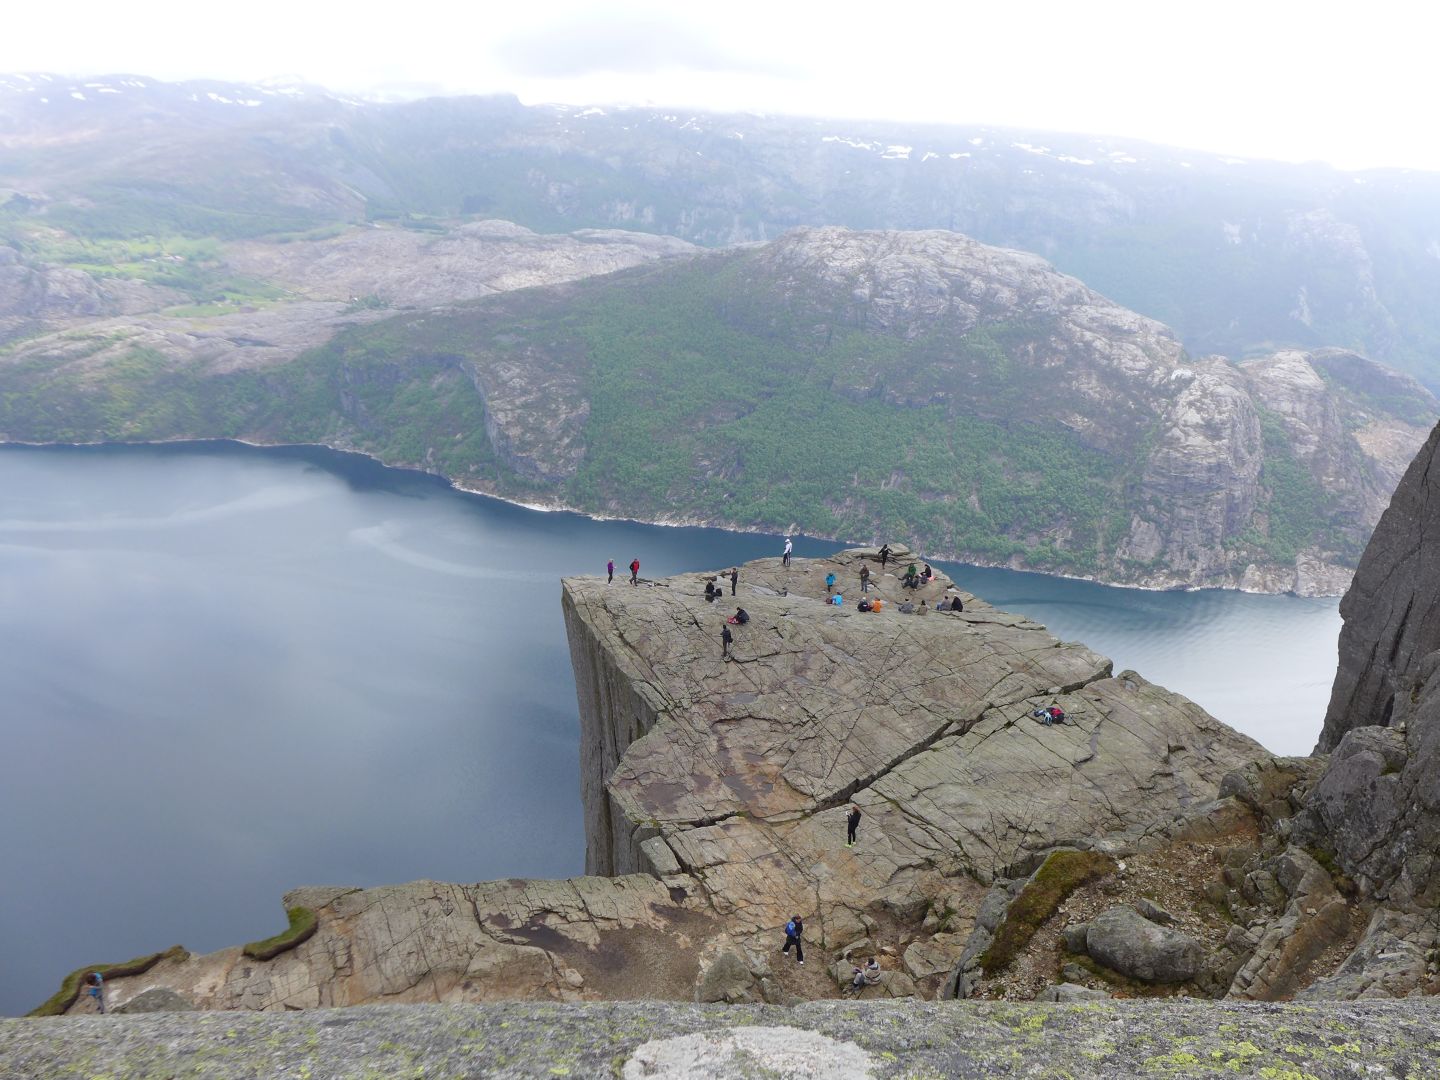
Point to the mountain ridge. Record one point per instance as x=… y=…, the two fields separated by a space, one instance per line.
x=845 y=384
x=1239 y=256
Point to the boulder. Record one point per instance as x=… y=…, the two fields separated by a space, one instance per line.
x=726 y=978
x=156 y=999
x=1074 y=937
x=1127 y=942
x=1154 y=912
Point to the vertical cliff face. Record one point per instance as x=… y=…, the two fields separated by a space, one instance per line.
x=618 y=705
x=1392 y=610
x=1378 y=803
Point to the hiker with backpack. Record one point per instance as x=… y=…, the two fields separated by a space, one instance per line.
x=95 y=987
x=794 y=929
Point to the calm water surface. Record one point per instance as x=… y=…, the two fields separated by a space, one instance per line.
x=226 y=672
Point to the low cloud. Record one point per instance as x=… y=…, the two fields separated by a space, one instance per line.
x=623 y=44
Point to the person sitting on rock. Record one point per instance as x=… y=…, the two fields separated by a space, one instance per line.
x=928 y=575
x=907 y=608
x=922 y=609
x=740 y=618
x=711 y=591
x=861 y=977
x=1051 y=714
x=876 y=604
x=837 y=599
x=864 y=604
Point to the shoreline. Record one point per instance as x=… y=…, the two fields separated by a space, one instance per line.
x=672 y=523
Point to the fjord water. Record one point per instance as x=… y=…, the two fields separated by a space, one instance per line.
x=226 y=672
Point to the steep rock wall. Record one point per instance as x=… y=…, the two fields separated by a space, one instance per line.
x=1392 y=610
x=617 y=706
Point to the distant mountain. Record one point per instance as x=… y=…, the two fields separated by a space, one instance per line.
x=915 y=386
x=1240 y=257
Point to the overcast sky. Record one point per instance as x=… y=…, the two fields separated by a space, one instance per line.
x=1352 y=84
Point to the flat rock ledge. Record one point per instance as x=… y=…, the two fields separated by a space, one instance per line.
x=1378 y=1040
x=716 y=795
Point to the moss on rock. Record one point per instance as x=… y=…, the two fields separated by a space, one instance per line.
x=303 y=923
x=70 y=986
x=1059 y=875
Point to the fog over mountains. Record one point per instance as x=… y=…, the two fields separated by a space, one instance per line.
x=1237 y=256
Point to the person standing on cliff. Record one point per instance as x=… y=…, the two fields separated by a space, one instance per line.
x=884 y=556
x=95 y=987
x=865 y=578
x=786 y=560
x=610 y=572
x=734 y=579
x=634 y=571
x=852 y=822
x=726 y=640
x=793 y=931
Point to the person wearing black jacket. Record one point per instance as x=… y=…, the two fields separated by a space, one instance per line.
x=734 y=579
x=852 y=822
x=726 y=640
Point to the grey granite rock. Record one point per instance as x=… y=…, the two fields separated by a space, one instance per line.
x=1383 y=1040
x=1392 y=610
x=726 y=978
x=1126 y=942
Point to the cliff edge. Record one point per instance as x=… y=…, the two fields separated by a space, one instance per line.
x=716 y=793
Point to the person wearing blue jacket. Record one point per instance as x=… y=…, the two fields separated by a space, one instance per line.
x=794 y=929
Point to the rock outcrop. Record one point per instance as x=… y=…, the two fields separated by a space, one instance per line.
x=1377 y=805
x=717 y=790
x=1392 y=610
